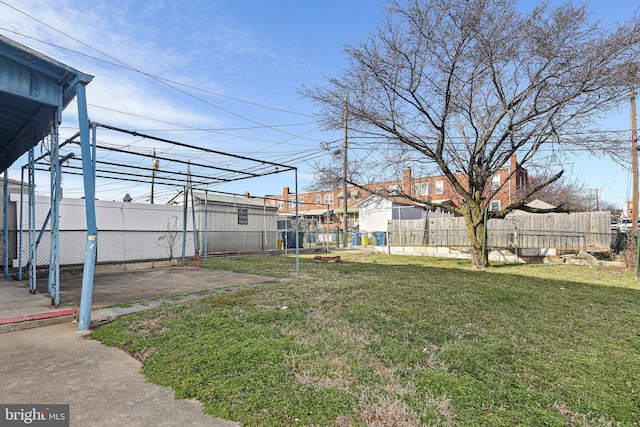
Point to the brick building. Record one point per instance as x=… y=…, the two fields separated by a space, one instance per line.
x=325 y=208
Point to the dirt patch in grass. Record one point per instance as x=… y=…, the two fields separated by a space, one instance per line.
x=388 y=411
x=111 y=288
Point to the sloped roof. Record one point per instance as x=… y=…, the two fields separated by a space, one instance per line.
x=224 y=200
x=402 y=201
x=34 y=90
x=539 y=204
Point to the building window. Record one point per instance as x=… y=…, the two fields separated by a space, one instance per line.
x=421 y=189
x=495 y=182
x=280 y=204
x=355 y=194
x=328 y=217
x=328 y=199
x=318 y=199
x=243 y=216
x=495 y=206
x=292 y=202
x=301 y=202
x=439 y=187
x=284 y=224
x=341 y=195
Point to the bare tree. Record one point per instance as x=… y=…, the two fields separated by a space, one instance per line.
x=571 y=194
x=169 y=237
x=466 y=84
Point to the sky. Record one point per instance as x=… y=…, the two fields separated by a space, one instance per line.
x=226 y=75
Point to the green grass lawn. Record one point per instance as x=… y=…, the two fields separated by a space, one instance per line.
x=401 y=341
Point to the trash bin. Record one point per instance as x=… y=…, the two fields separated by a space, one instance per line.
x=280 y=244
x=312 y=237
x=381 y=238
x=290 y=238
x=365 y=240
x=356 y=239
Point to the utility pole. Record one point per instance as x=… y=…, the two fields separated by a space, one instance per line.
x=634 y=158
x=344 y=173
x=154 y=166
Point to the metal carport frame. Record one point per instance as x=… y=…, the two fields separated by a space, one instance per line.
x=34 y=89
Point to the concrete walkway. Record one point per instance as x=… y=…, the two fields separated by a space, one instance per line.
x=103 y=386
x=45 y=360
x=20 y=309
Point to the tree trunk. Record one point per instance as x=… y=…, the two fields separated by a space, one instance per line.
x=475 y=228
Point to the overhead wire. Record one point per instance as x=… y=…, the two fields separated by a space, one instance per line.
x=170 y=84
x=163 y=81
x=299 y=156
x=217 y=131
x=124 y=66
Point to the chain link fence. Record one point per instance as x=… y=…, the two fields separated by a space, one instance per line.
x=221 y=242
x=116 y=246
x=113 y=246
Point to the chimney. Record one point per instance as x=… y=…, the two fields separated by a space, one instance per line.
x=285 y=195
x=247 y=195
x=406 y=181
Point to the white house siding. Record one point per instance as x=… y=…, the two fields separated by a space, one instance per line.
x=375 y=214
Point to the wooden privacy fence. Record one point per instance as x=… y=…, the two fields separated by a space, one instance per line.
x=574 y=231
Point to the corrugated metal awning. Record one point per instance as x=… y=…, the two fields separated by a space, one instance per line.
x=36 y=89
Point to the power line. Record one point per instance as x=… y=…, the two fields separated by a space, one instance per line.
x=215 y=131
x=191 y=128
x=124 y=66
x=166 y=82
x=188 y=127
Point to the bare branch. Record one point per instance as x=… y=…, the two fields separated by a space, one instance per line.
x=468 y=84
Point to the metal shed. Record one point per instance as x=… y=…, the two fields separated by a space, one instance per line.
x=232 y=223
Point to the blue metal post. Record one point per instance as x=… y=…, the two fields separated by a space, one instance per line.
x=20 y=226
x=54 y=265
x=55 y=226
x=89 y=180
x=43 y=228
x=206 y=223
x=52 y=188
x=32 y=224
x=5 y=236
